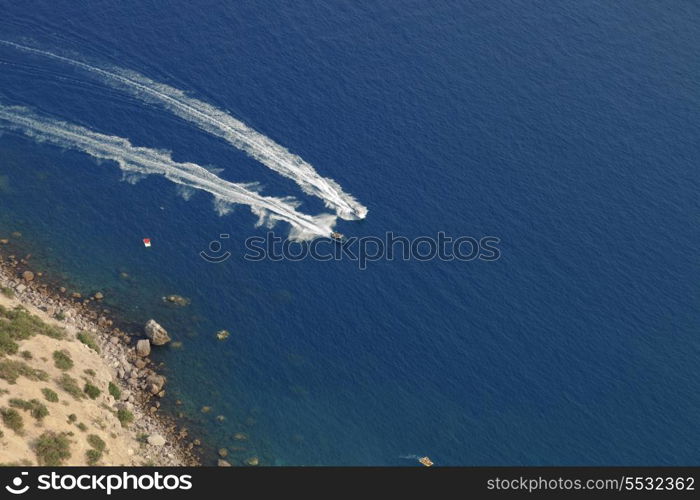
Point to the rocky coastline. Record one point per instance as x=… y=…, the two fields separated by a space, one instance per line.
x=161 y=440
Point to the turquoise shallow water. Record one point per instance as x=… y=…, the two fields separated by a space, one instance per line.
x=568 y=131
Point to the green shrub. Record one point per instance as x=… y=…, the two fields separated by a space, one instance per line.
x=91 y=390
x=62 y=360
x=82 y=426
x=93 y=456
x=22 y=404
x=60 y=316
x=11 y=370
x=50 y=395
x=39 y=412
x=7 y=345
x=12 y=420
x=87 y=339
x=125 y=417
x=72 y=417
x=70 y=385
x=96 y=442
x=115 y=391
x=36 y=408
x=90 y=372
x=98 y=447
x=8 y=292
x=26 y=355
x=52 y=449
x=22 y=325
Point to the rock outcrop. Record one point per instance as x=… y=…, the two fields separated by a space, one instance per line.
x=155 y=383
x=143 y=347
x=156 y=333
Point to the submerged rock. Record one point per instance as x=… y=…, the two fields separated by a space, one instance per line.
x=253 y=461
x=28 y=276
x=222 y=334
x=156 y=333
x=223 y=463
x=177 y=300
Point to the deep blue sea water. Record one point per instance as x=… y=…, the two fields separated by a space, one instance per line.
x=567 y=129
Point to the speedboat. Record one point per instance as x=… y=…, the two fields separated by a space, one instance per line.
x=336 y=236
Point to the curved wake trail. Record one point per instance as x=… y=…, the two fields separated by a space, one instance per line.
x=221 y=124
x=135 y=160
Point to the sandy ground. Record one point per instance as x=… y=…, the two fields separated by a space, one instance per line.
x=98 y=415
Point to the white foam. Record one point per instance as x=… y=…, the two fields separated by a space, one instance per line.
x=225 y=126
x=136 y=162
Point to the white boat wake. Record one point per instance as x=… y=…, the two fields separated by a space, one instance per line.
x=223 y=125
x=139 y=161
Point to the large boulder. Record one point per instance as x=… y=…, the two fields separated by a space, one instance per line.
x=155 y=383
x=156 y=440
x=143 y=347
x=156 y=333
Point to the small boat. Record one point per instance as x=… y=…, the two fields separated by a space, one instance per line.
x=426 y=461
x=336 y=235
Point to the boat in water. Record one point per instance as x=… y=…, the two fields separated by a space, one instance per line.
x=426 y=461
x=336 y=236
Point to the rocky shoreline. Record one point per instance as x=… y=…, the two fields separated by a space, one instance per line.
x=124 y=353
